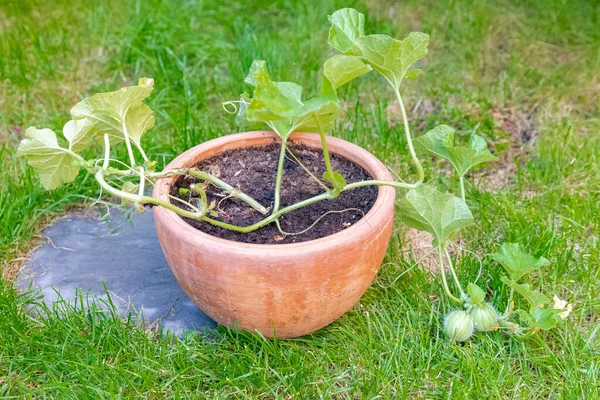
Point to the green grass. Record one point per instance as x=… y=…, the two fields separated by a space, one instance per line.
x=494 y=67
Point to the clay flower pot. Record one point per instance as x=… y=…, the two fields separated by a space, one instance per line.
x=285 y=290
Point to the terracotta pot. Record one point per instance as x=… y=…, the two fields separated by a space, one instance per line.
x=286 y=290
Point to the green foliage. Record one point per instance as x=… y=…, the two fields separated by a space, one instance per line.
x=427 y=209
x=441 y=142
x=347 y=25
x=336 y=179
x=341 y=69
x=390 y=57
x=280 y=105
x=534 y=297
x=516 y=262
x=539 y=318
x=476 y=293
x=120 y=115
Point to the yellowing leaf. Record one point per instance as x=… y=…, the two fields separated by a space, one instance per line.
x=317 y=114
x=78 y=134
x=118 y=114
x=272 y=101
x=53 y=163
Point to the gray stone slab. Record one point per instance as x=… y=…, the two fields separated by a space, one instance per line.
x=85 y=253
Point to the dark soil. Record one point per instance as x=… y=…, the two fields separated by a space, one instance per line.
x=254 y=170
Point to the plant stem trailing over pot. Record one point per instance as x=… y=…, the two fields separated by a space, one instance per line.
x=122 y=117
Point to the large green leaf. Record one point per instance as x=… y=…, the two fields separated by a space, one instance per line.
x=341 y=69
x=516 y=262
x=427 y=209
x=392 y=57
x=347 y=25
x=534 y=297
x=53 y=163
x=118 y=114
x=441 y=142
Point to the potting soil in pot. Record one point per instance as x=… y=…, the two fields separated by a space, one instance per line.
x=254 y=170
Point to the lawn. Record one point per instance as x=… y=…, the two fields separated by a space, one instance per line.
x=525 y=75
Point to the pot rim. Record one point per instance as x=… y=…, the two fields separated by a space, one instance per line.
x=357 y=154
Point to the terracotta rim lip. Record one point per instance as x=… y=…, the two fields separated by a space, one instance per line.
x=367 y=161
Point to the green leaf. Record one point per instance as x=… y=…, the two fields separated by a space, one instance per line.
x=320 y=108
x=516 y=262
x=392 y=57
x=464 y=158
x=441 y=142
x=534 y=297
x=336 y=179
x=427 y=209
x=347 y=25
x=540 y=318
x=477 y=295
x=118 y=114
x=53 y=163
x=272 y=101
x=279 y=104
x=412 y=73
x=341 y=69
x=242 y=115
x=434 y=141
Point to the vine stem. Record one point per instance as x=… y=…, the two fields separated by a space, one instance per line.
x=106 y=151
x=444 y=281
x=411 y=148
x=251 y=202
x=128 y=144
x=462 y=292
x=379 y=183
x=279 y=176
x=270 y=218
x=230 y=190
x=462 y=187
x=135 y=198
x=324 y=146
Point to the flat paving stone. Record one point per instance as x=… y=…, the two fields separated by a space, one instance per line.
x=84 y=253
